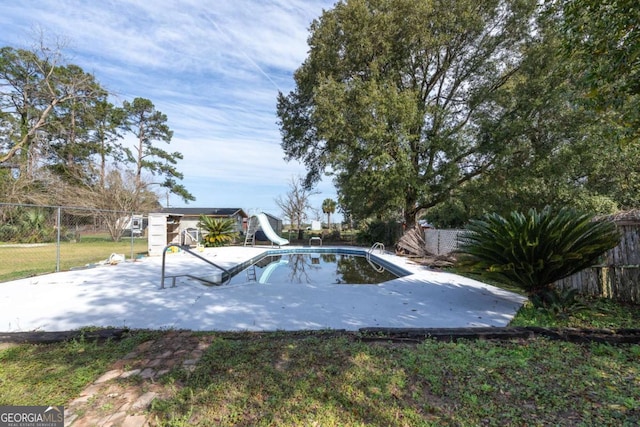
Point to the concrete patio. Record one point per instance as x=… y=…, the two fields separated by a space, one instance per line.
x=129 y=295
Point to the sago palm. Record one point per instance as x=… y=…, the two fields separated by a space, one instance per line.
x=217 y=231
x=534 y=250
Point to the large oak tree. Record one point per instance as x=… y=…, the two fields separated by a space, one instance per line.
x=389 y=97
x=603 y=43
x=565 y=120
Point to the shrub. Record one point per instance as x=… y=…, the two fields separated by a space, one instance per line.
x=533 y=250
x=27 y=226
x=388 y=233
x=560 y=304
x=217 y=231
x=333 y=235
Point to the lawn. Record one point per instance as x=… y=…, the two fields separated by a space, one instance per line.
x=337 y=379
x=20 y=261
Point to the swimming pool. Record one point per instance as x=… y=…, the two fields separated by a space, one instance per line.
x=316 y=268
x=341 y=266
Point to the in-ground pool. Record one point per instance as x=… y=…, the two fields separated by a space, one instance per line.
x=315 y=268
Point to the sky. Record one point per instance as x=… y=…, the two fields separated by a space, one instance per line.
x=214 y=67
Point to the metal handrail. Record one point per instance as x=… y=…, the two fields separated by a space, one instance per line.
x=173 y=285
x=376 y=245
x=375 y=266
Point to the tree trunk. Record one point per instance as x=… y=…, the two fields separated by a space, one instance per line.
x=410 y=213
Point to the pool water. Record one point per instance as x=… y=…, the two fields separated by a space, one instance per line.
x=315 y=269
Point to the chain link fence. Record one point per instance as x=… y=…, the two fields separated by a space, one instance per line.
x=36 y=239
x=441 y=242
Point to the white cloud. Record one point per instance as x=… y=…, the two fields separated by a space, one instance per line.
x=214 y=67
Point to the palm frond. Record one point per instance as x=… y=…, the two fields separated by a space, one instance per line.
x=534 y=250
x=217 y=231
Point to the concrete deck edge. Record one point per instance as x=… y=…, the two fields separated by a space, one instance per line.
x=576 y=335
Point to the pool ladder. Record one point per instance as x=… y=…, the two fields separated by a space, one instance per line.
x=191 y=276
x=380 y=247
x=376 y=245
x=251 y=274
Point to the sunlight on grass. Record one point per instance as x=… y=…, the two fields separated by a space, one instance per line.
x=601 y=313
x=350 y=383
x=52 y=374
x=27 y=261
x=335 y=379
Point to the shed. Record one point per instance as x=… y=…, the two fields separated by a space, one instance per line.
x=191 y=216
x=180 y=225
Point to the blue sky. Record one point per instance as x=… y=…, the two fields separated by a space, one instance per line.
x=214 y=67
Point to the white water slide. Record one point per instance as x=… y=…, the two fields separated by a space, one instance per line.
x=269 y=232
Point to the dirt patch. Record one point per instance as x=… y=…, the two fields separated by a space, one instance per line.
x=122 y=395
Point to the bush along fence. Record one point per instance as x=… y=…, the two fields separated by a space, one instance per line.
x=37 y=239
x=618 y=275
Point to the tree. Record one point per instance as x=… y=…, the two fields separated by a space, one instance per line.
x=37 y=84
x=389 y=96
x=150 y=126
x=58 y=130
x=106 y=136
x=536 y=121
x=534 y=250
x=602 y=38
x=296 y=204
x=557 y=149
x=40 y=102
x=70 y=148
x=328 y=207
x=111 y=201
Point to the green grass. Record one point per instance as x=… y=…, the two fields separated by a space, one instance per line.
x=336 y=381
x=332 y=379
x=25 y=261
x=53 y=374
x=601 y=313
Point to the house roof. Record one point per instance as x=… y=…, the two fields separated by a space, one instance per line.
x=272 y=216
x=219 y=212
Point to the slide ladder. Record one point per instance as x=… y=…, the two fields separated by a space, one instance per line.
x=252 y=227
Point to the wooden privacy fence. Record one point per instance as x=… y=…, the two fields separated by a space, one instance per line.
x=618 y=275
